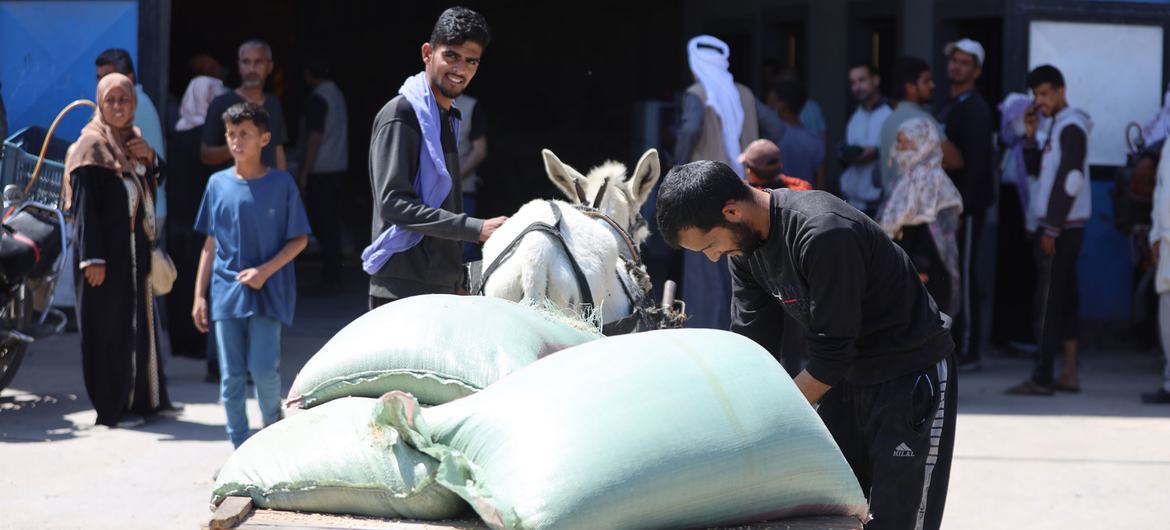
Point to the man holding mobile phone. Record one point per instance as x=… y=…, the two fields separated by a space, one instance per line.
x=1062 y=205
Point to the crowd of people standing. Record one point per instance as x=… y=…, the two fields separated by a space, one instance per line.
x=926 y=179
x=929 y=179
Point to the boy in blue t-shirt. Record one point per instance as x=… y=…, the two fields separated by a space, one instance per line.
x=255 y=225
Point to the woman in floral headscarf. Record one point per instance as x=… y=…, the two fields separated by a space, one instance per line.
x=111 y=175
x=922 y=211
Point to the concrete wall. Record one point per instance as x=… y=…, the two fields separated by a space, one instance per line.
x=826 y=77
x=917 y=30
x=154 y=40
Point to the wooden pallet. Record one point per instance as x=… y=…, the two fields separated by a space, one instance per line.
x=239 y=513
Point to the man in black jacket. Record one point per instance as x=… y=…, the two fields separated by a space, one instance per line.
x=435 y=264
x=880 y=361
x=969 y=124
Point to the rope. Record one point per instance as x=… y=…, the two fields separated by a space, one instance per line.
x=36 y=173
x=49 y=136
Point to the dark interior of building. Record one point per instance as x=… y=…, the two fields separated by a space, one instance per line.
x=563 y=77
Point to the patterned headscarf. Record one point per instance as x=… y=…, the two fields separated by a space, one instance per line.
x=924 y=190
x=101 y=144
x=925 y=195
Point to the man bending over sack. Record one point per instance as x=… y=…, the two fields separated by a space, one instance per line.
x=880 y=353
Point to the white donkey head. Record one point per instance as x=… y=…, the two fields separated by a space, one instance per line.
x=536 y=268
x=609 y=189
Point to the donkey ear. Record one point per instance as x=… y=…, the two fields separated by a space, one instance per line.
x=566 y=179
x=645 y=176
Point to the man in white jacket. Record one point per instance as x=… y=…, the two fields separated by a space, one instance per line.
x=1062 y=206
x=1159 y=233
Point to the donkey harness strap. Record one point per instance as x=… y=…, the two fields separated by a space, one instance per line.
x=554 y=231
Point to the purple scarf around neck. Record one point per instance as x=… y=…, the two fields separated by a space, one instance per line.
x=433 y=181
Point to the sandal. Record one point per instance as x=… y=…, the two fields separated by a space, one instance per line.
x=1030 y=388
x=1071 y=388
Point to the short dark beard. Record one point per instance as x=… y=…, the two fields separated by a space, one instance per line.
x=746 y=240
x=437 y=85
x=446 y=93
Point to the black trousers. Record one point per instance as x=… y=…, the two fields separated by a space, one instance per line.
x=184 y=247
x=321 y=207
x=1057 y=302
x=968 y=327
x=898 y=436
x=408 y=290
x=920 y=246
x=377 y=301
x=1015 y=274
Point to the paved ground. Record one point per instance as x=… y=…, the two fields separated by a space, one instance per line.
x=1094 y=460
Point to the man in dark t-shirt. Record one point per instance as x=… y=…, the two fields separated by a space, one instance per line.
x=473 y=148
x=324 y=163
x=880 y=352
x=255 y=64
x=970 y=125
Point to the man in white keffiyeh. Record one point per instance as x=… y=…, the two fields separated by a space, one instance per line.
x=708 y=59
x=719 y=119
x=925 y=197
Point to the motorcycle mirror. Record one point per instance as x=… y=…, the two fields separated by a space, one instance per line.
x=12 y=193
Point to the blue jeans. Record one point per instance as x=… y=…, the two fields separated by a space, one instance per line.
x=248 y=345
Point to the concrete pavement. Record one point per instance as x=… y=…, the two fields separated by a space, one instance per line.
x=1098 y=459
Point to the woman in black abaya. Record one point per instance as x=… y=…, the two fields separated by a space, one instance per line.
x=110 y=179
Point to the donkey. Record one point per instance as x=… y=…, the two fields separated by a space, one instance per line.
x=533 y=266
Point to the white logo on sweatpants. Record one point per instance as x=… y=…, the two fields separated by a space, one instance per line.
x=903 y=450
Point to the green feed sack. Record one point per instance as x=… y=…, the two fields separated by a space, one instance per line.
x=666 y=429
x=436 y=347
x=337 y=458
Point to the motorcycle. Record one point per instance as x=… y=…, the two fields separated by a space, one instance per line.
x=32 y=248
x=32 y=240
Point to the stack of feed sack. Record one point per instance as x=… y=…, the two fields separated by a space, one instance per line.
x=666 y=429
x=438 y=348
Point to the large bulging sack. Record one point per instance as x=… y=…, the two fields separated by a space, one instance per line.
x=665 y=429
x=436 y=347
x=337 y=458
